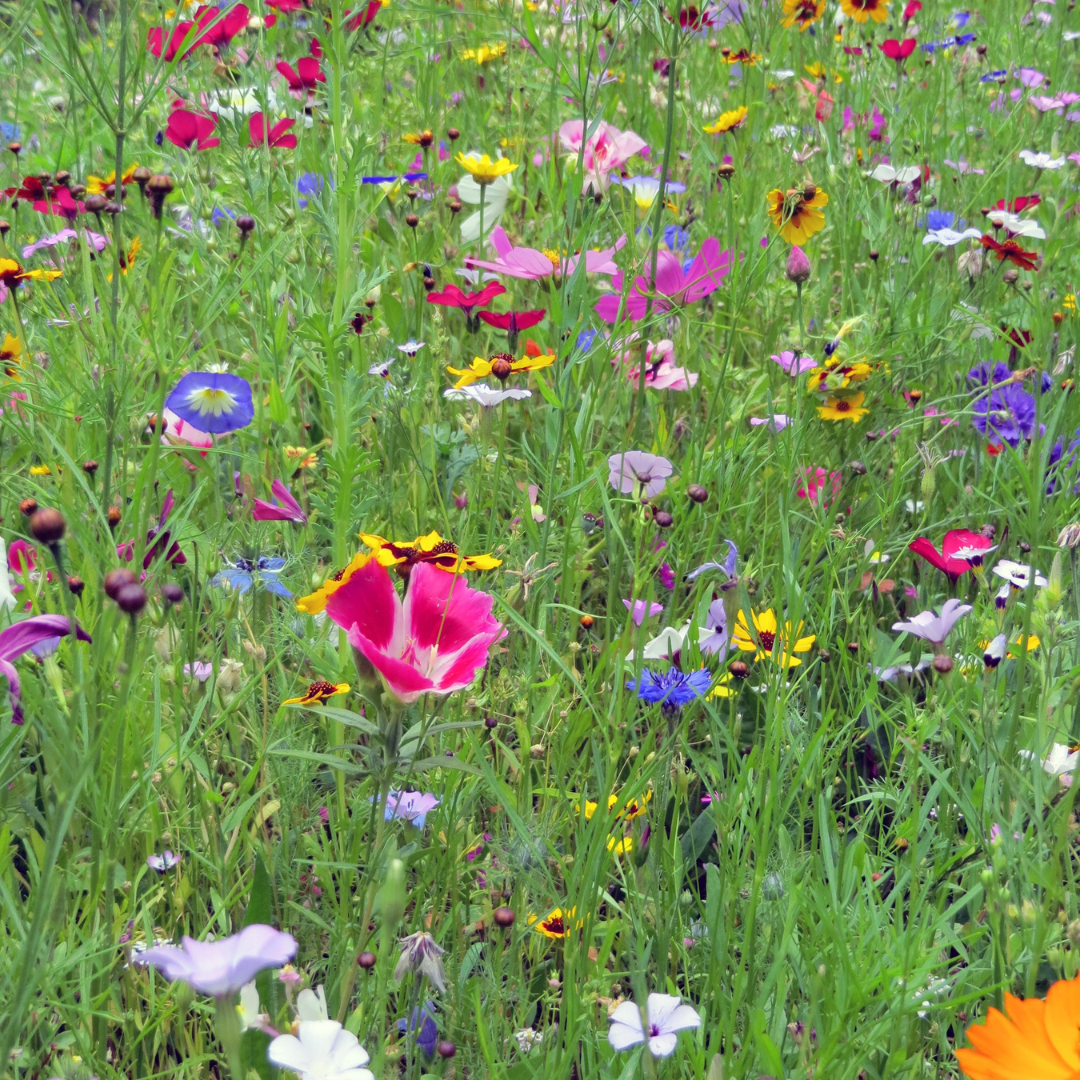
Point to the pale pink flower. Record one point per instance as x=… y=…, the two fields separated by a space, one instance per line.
x=606 y=149
x=531 y=264
x=179 y=432
x=660 y=370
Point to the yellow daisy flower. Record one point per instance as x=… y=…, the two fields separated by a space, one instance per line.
x=769 y=639
x=728 y=121
x=796 y=213
x=843 y=408
x=318 y=693
x=482 y=169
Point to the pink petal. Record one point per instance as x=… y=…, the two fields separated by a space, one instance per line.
x=669 y=274
x=404 y=681
x=434 y=592
x=369 y=604
x=465 y=665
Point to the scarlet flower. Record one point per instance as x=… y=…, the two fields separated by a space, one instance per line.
x=513 y=322
x=224 y=29
x=307 y=75
x=155 y=41
x=274 y=137
x=1015 y=206
x=365 y=17
x=960 y=551
x=63 y=205
x=452 y=296
x=898 y=50
x=188 y=129
x=1012 y=251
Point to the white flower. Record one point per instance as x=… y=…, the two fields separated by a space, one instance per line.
x=250 y=1017
x=871 y=553
x=1060 y=761
x=1016 y=225
x=935 y=628
x=888 y=175
x=949 y=237
x=1041 y=161
x=411 y=347
x=230 y=103
x=324 y=1050
x=913 y=507
x=382 y=369
x=890 y=674
x=1018 y=575
x=7 y=597
x=311 y=1004
x=484 y=395
x=994 y=653
x=494 y=205
x=666 y=1018
x=527 y=1038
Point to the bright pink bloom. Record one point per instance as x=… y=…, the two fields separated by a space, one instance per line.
x=283 y=508
x=189 y=129
x=960 y=551
x=817 y=480
x=606 y=149
x=63 y=204
x=660 y=370
x=436 y=642
x=532 y=265
x=33 y=633
x=675 y=286
x=275 y=137
x=225 y=28
x=913 y=8
x=285 y=6
x=898 y=50
x=307 y=76
x=180 y=433
x=154 y=41
x=364 y=18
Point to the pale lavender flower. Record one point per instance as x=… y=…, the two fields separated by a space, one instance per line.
x=410 y=806
x=93 y=239
x=791 y=365
x=419 y=952
x=26 y=636
x=667 y=1017
x=935 y=628
x=634 y=467
x=713 y=637
x=776 y=422
x=166 y=861
x=199 y=670
x=220 y=968
x=637 y=607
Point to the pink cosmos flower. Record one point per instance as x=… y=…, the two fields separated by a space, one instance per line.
x=637 y=609
x=435 y=642
x=95 y=240
x=180 y=433
x=532 y=265
x=794 y=367
x=283 y=507
x=660 y=370
x=817 y=480
x=674 y=285
x=606 y=149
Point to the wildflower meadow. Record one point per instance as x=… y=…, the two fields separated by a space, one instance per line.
x=539 y=540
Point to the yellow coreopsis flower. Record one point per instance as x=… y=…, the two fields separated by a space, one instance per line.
x=501 y=365
x=802 y=13
x=844 y=408
x=728 y=121
x=96 y=185
x=11 y=357
x=861 y=10
x=796 y=213
x=12 y=274
x=486 y=53
x=444 y=554
x=301 y=457
x=316 y=602
x=318 y=693
x=555 y=925
x=770 y=638
x=740 y=56
x=482 y=169
x=835 y=374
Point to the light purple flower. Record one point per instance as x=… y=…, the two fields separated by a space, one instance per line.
x=410 y=806
x=165 y=861
x=1030 y=78
x=637 y=608
x=728 y=566
x=713 y=638
x=963 y=167
x=200 y=670
x=1045 y=103
x=24 y=637
x=776 y=422
x=221 y=967
x=667 y=1017
x=95 y=240
x=634 y=467
x=935 y=628
x=283 y=508
x=792 y=365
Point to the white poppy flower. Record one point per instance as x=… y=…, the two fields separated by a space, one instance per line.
x=1041 y=161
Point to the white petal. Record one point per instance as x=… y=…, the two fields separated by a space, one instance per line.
x=663 y=1045
x=626 y=1029
x=287 y=1052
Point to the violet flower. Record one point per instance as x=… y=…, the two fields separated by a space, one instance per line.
x=283 y=507
x=220 y=968
x=935 y=628
x=410 y=806
x=165 y=861
x=21 y=638
x=635 y=467
x=637 y=607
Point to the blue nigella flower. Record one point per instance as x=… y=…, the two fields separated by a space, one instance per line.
x=222 y=215
x=262 y=573
x=671 y=690
x=428 y=1035
x=212 y=401
x=311 y=184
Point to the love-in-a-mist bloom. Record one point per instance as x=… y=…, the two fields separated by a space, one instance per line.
x=212 y=401
x=667 y=1016
x=436 y=642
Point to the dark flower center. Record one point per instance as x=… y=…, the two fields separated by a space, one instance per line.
x=654 y=1030
x=321 y=689
x=554 y=926
x=767 y=638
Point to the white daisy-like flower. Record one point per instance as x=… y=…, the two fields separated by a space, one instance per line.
x=949 y=237
x=484 y=395
x=1040 y=160
x=1018 y=226
x=411 y=347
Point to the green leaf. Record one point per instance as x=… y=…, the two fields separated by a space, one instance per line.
x=696 y=839
x=260 y=908
x=445 y=763
x=547 y=392
x=279 y=411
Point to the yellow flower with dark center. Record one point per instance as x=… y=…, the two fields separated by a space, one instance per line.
x=835 y=374
x=486 y=53
x=12 y=274
x=741 y=56
x=96 y=185
x=634 y=808
x=11 y=357
x=769 y=640
x=728 y=121
x=316 y=602
x=555 y=925
x=1031 y=1040
x=802 y=13
x=433 y=549
x=482 y=169
x=796 y=213
x=126 y=261
x=861 y=10
x=318 y=693
x=501 y=365
x=620 y=845
x=301 y=457
x=843 y=408
x=420 y=138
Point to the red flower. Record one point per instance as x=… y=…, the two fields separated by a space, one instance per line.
x=275 y=137
x=1014 y=206
x=285 y=6
x=898 y=50
x=1012 y=251
x=452 y=296
x=913 y=9
x=306 y=77
x=31 y=191
x=63 y=205
x=154 y=41
x=364 y=18
x=960 y=551
x=513 y=321
x=187 y=129
x=224 y=29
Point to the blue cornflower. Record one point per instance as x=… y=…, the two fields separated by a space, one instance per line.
x=995 y=76
x=961 y=19
x=311 y=184
x=585 y=339
x=1008 y=415
x=965 y=39
x=212 y=401
x=675 y=238
x=428 y=1035
x=9 y=131
x=989 y=373
x=408 y=177
x=939 y=219
x=261 y=572
x=671 y=690
x=222 y=215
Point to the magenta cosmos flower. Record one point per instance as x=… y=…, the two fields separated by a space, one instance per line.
x=220 y=968
x=606 y=149
x=532 y=264
x=22 y=637
x=435 y=642
x=673 y=284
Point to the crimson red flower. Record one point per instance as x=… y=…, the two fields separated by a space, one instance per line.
x=364 y=18
x=1012 y=251
x=31 y=191
x=63 y=205
x=513 y=322
x=285 y=6
x=960 y=551
x=913 y=9
x=1014 y=206
x=276 y=135
x=188 y=129
x=307 y=75
x=452 y=296
x=898 y=50
x=155 y=36
x=225 y=28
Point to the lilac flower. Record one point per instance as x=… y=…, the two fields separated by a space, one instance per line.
x=199 y=670
x=891 y=674
x=321 y=1050
x=672 y=689
x=637 y=607
x=165 y=861
x=794 y=367
x=627 y=470
x=963 y=167
x=220 y=968
x=935 y=628
x=714 y=637
x=777 y=422
x=23 y=637
x=283 y=507
x=93 y=239
x=729 y=566
x=410 y=806
x=1030 y=78
x=1007 y=415
x=667 y=1017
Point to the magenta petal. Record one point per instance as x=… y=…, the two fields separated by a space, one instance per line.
x=473 y=658
x=501 y=242
x=369 y=603
x=434 y=592
x=402 y=679
x=669 y=274
x=607 y=307
x=264 y=511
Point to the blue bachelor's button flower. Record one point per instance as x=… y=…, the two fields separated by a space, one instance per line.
x=586 y=339
x=9 y=130
x=676 y=239
x=428 y=1035
x=311 y=185
x=939 y=219
x=408 y=177
x=222 y=215
x=671 y=690
x=212 y=401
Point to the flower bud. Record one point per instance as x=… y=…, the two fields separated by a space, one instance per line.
x=412 y=220
x=27 y=507
x=75 y=585
x=446 y=1049
x=504 y=917
x=798 y=265
x=48 y=526
x=115 y=580
x=131 y=598
x=663 y=519
x=114 y=516
x=857 y=468
x=943 y=664
x=1069 y=537
x=739 y=669
x=245 y=224
x=96 y=203
x=696 y=493
x=366 y=960
x=90 y=467
x=453 y=134
x=171 y=593
x=725 y=170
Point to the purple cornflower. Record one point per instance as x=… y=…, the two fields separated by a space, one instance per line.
x=634 y=467
x=1007 y=415
x=672 y=689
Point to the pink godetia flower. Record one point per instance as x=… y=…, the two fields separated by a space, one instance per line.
x=674 y=285
x=660 y=370
x=306 y=77
x=180 y=433
x=640 y=610
x=605 y=150
x=436 y=642
x=189 y=130
x=94 y=240
x=793 y=365
x=22 y=637
x=220 y=968
x=636 y=468
x=283 y=507
x=1030 y=77
x=935 y=628
x=960 y=551
x=819 y=486
x=276 y=136
x=200 y=670
x=531 y=264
